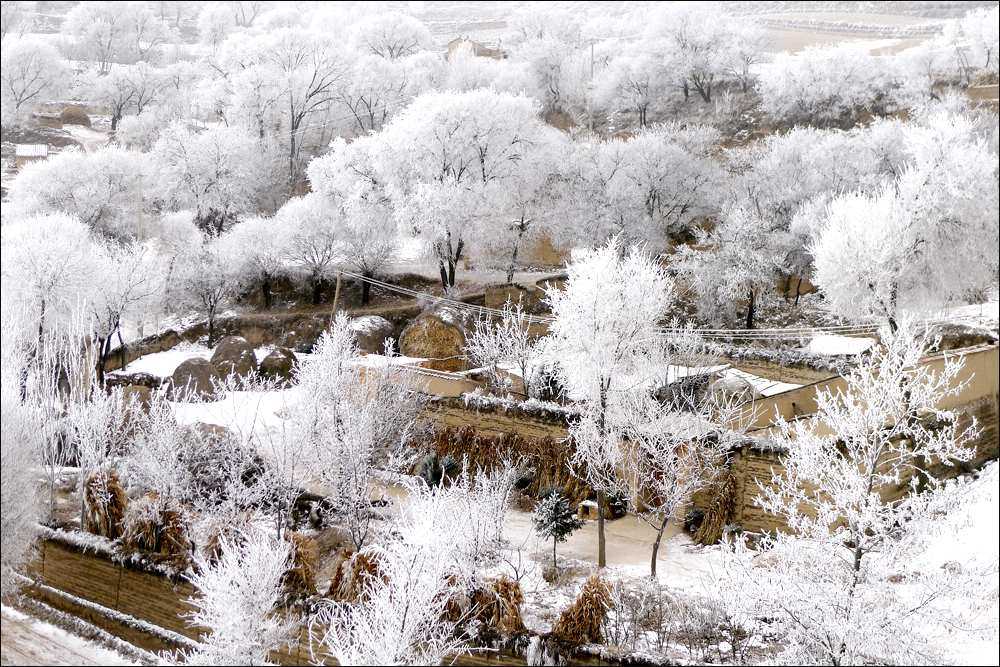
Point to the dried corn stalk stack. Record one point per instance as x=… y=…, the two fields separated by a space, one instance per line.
x=158 y=527
x=497 y=605
x=581 y=622
x=718 y=513
x=549 y=458
x=104 y=504
x=350 y=580
x=300 y=579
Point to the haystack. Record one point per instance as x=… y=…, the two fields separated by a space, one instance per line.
x=74 y=115
x=156 y=526
x=438 y=336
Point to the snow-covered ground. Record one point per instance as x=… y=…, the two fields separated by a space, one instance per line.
x=832 y=345
x=89 y=138
x=29 y=641
x=970 y=538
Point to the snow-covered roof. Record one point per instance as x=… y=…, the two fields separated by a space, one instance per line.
x=31 y=150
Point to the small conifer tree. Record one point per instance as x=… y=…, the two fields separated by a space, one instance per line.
x=555 y=518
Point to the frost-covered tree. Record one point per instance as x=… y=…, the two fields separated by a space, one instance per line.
x=237 y=598
x=549 y=40
x=220 y=173
x=603 y=335
x=368 y=228
x=104 y=189
x=451 y=159
x=973 y=42
x=31 y=71
x=467 y=71
x=204 y=279
x=14 y=21
x=556 y=519
x=832 y=85
x=21 y=443
x=846 y=585
x=292 y=76
x=649 y=187
x=47 y=270
x=401 y=617
x=354 y=420
x=129 y=284
x=391 y=35
x=746 y=48
x=215 y=22
x=507 y=342
x=255 y=247
x=311 y=239
x=737 y=262
x=900 y=248
x=694 y=40
x=107 y=33
x=675 y=450
x=126 y=89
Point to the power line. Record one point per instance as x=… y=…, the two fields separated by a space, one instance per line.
x=741 y=335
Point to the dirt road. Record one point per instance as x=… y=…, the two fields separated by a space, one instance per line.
x=27 y=641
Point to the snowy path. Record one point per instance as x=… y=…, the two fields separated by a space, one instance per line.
x=680 y=562
x=27 y=641
x=90 y=139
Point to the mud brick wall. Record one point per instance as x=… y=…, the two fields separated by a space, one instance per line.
x=493 y=422
x=161 y=602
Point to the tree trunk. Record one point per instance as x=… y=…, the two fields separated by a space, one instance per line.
x=798 y=290
x=602 y=555
x=555 y=566
x=122 y=350
x=687 y=90
x=656 y=547
x=751 y=307
x=211 y=330
x=444 y=274
x=366 y=290
x=265 y=290
x=317 y=291
x=514 y=251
